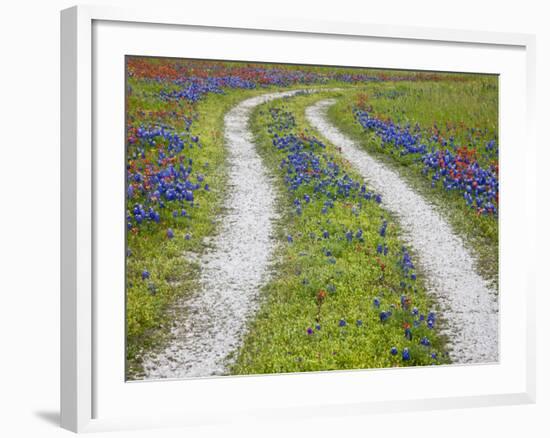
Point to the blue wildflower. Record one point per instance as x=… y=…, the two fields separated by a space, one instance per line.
x=382 y=230
x=430 y=320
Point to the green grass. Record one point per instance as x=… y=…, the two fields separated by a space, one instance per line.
x=277 y=340
x=473 y=104
x=470 y=104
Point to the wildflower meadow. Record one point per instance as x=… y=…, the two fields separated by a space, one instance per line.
x=258 y=241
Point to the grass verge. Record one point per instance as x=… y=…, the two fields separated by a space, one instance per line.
x=480 y=232
x=170 y=262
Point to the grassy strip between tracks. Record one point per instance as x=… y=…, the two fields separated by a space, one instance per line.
x=344 y=292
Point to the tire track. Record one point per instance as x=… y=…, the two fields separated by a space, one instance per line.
x=211 y=323
x=468 y=305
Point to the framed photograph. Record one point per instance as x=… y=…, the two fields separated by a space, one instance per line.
x=290 y=218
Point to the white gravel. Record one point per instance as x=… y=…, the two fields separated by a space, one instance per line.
x=467 y=303
x=211 y=323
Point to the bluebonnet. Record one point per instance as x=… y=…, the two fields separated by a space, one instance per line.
x=158 y=177
x=383 y=227
x=430 y=321
x=452 y=167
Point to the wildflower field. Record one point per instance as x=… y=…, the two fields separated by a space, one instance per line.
x=329 y=275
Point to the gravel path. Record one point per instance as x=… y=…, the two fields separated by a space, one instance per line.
x=211 y=324
x=468 y=305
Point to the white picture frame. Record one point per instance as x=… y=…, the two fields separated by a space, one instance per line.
x=80 y=402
